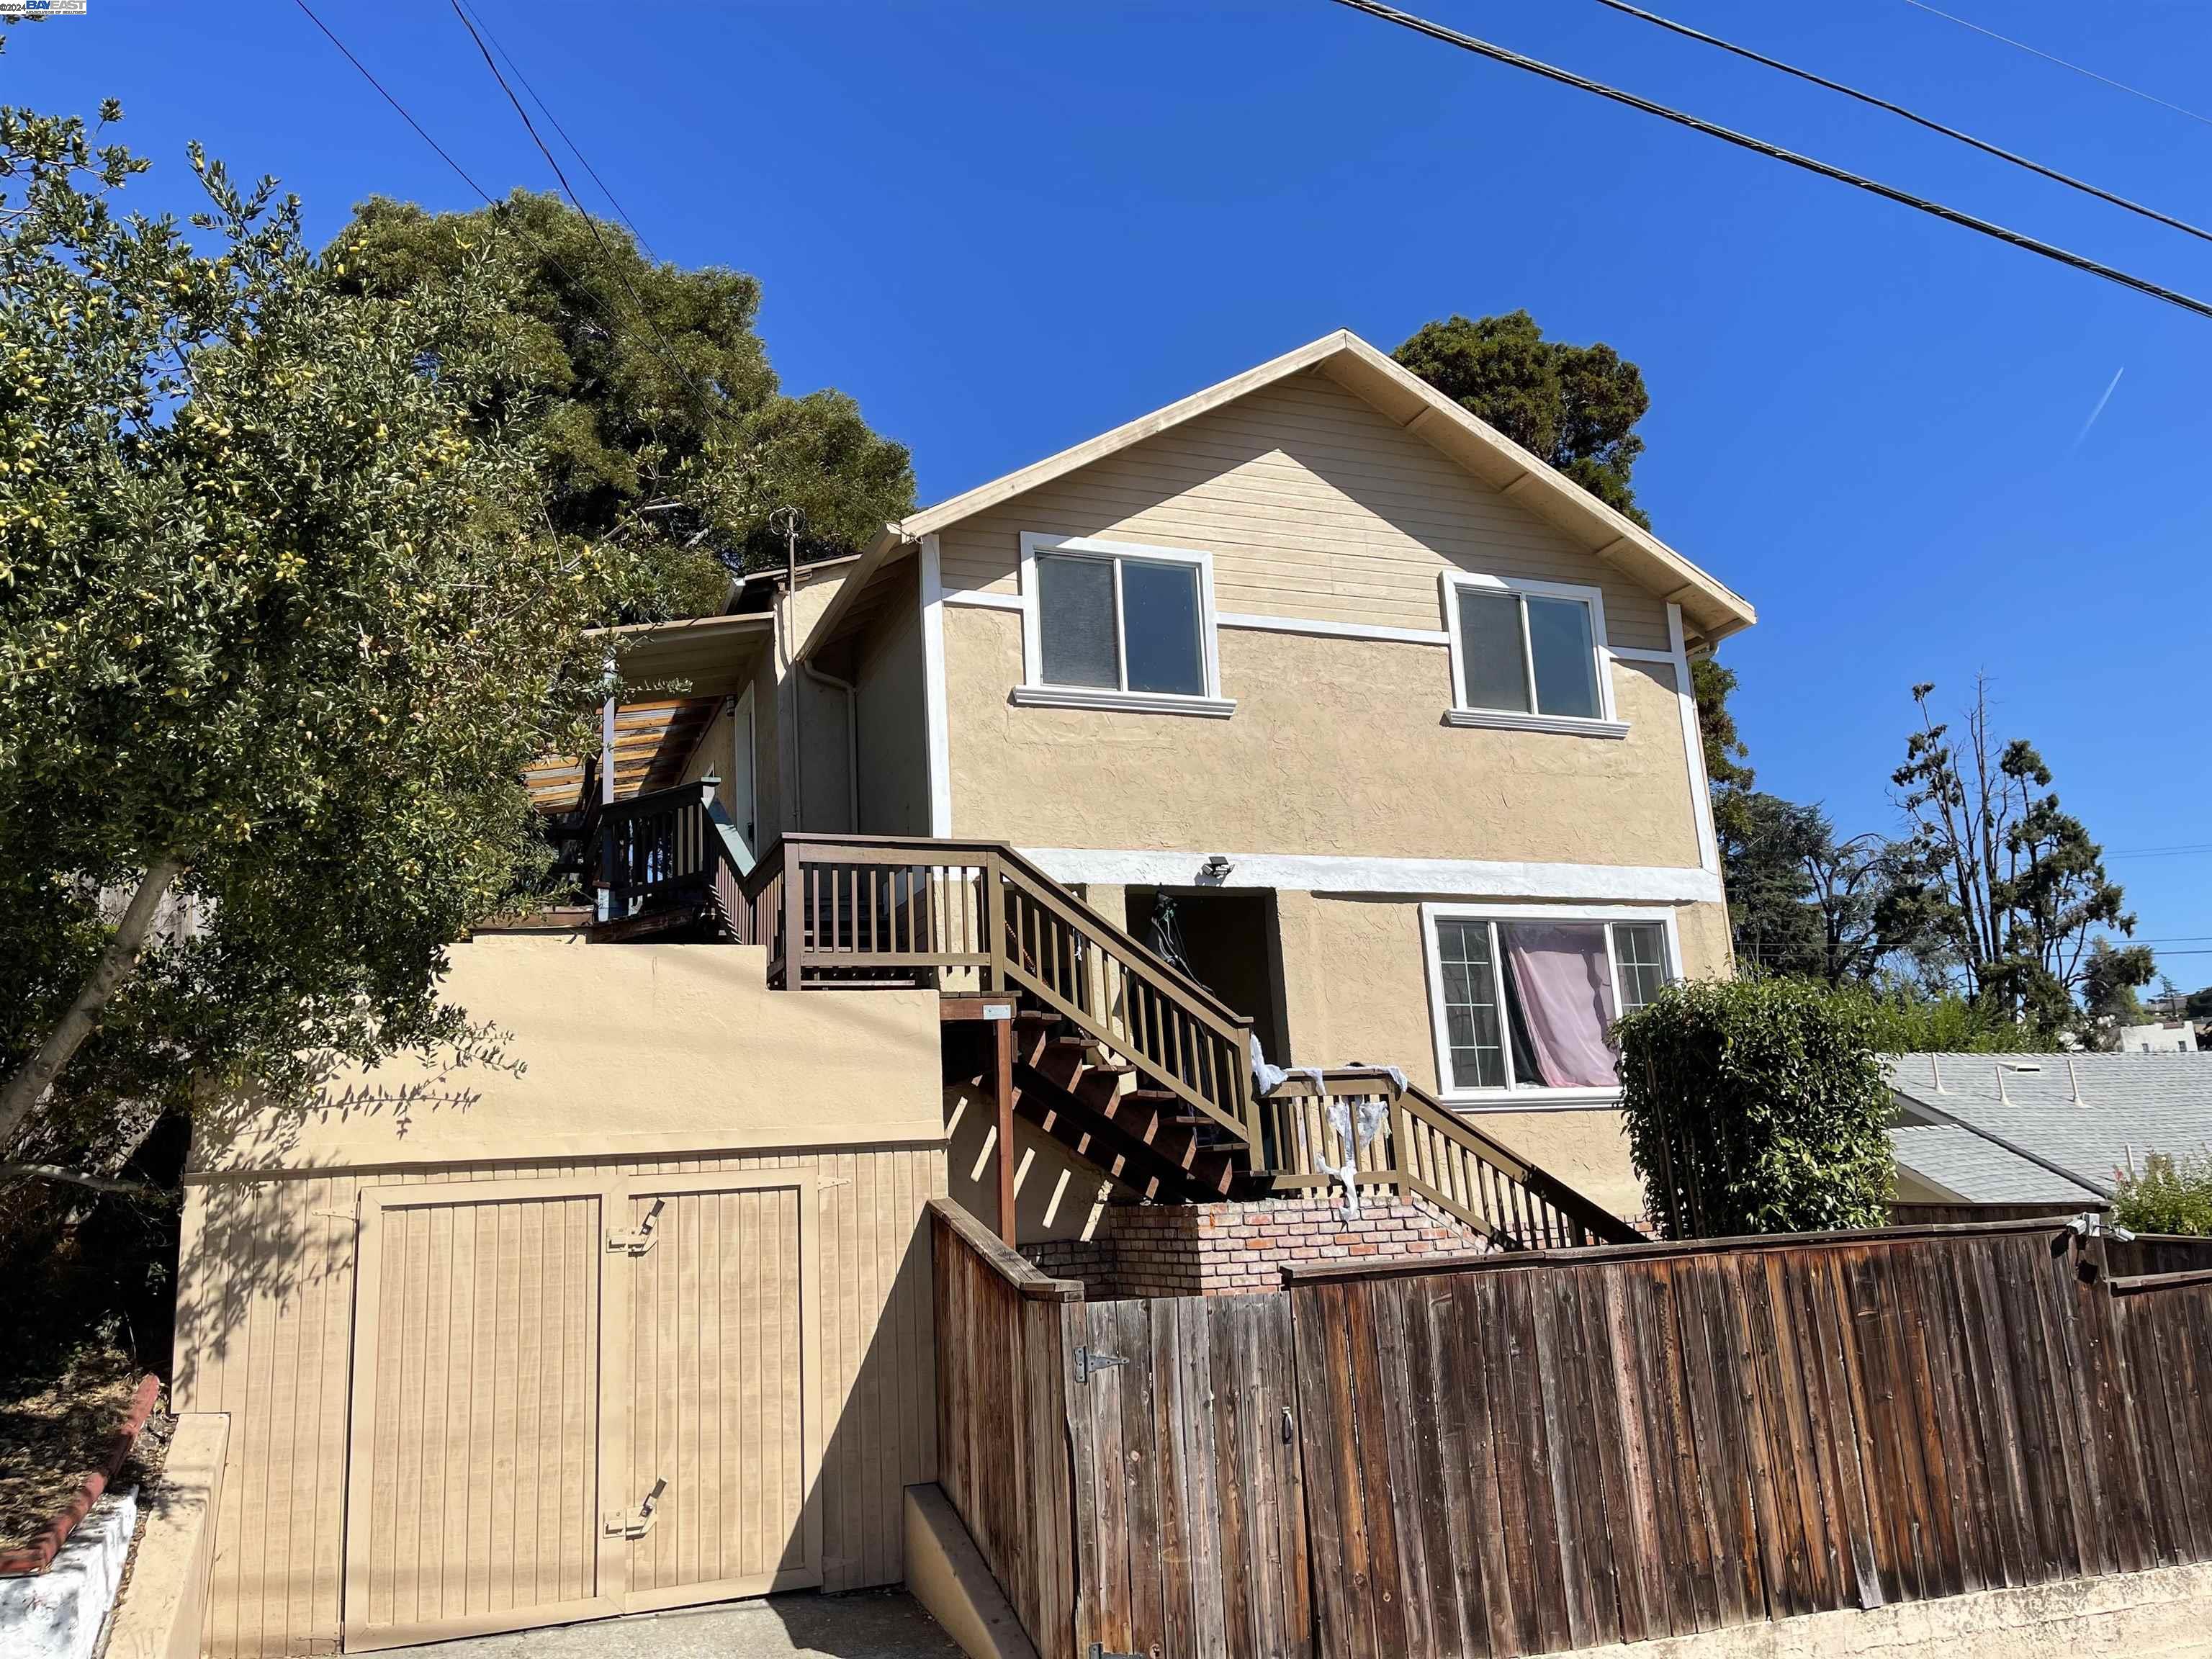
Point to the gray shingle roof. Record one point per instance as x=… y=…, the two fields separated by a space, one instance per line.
x=1980 y=1171
x=2128 y=1105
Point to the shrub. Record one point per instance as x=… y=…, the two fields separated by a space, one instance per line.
x=2172 y=1195
x=1757 y=1106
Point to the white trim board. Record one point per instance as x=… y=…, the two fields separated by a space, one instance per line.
x=1694 y=747
x=984 y=601
x=1334 y=630
x=1318 y=873
x=935 y=713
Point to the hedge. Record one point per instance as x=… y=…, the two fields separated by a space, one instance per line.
x=1757 y=1106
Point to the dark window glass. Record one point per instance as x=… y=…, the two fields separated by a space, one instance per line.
x=1159 y=620
x=1566 y=657
x=1075 y=612
x=1471 y=1021
x=1494 y=668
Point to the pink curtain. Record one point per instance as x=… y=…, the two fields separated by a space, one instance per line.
x=1566 y=996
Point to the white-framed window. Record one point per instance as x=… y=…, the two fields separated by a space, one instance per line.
x=1522 y=997
x=1528 y=656
x=1118 y=625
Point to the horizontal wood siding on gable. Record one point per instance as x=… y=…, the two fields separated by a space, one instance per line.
x=1313 y=506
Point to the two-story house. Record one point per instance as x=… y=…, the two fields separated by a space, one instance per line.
x=1400 y=718
x=1307 y=714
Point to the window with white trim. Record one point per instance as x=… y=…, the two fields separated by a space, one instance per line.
x=1528 y=654
x=1524 y=1000
x=1114 y=625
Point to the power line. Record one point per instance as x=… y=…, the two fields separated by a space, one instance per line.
x=419 y=131
x=545 y=110
x=1918 y=120
x=1775 y=152
x=668 y=351
x=2049 y=57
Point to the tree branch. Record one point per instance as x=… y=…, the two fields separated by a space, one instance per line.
x=74 y=1177
x=29 y=1086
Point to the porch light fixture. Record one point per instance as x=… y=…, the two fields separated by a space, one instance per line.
x=1214 y=870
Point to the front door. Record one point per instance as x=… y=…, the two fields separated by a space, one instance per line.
x=572 y=1399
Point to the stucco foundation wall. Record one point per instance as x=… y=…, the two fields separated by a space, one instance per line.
x=1233 y=1249
x=1337 y=748
x=164 y=1607
x=2164 y=1613
x=622 y=1050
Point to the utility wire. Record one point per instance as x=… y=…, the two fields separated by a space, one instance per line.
x=668 y=351
x=1967 y=138
x=394 y=102
x=545 y=109
x=1775 y=152
x=2049 y=57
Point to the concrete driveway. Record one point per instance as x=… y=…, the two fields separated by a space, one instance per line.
x=869 y=1625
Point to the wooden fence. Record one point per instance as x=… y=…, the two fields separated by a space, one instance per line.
x=1524 y=1454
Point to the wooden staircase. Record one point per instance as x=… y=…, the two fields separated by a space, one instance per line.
x=1116 y=1054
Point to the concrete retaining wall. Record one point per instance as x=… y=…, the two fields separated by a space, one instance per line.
x=57 y=1613
x=165 y=1604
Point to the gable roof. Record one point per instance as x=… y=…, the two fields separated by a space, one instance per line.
x=1710 y=609
x=2127 y=1105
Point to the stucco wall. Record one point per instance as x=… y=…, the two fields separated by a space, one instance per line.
x=1338 y=747
x=623 y=1049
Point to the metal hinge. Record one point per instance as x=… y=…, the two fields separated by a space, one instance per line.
x=623 y=1523
x=1100 y=1650
x=639 y=1240
x=1088 y=1364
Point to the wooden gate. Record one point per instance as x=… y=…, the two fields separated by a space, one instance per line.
x=1182 y=1416
x=573 y=1399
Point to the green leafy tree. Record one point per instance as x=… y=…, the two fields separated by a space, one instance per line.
x=282 y=620
x=645 y=390
x=2002 y=884
x=1909 y=1017
x=1757 y=1106
x=1574 y=406
x=1727 y=755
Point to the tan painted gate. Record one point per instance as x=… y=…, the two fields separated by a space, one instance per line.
x=578 y=1398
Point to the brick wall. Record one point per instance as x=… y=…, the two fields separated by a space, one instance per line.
x=1228 y=1250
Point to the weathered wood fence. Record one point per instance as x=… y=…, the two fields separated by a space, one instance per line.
x=1524 y=1454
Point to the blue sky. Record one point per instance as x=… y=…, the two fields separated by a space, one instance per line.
x=1004 y=228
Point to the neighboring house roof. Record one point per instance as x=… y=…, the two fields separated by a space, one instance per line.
x=1710 y=609
x=2076 y=1120
x=1978 y=1171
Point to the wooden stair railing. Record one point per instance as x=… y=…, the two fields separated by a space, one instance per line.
x=1425 y=1148
x=832 y=907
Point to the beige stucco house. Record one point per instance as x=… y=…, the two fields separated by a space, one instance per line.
x=1307 y=714
x=1386 y=703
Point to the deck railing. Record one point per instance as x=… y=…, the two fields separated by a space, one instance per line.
x=1423 y=1148
x=671 y=848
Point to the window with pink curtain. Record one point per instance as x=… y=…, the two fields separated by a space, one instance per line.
x=1562 y=979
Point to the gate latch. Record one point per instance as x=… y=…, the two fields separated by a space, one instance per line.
x=1089 y=1364
x=1100 y=1650
x=623 y=1523
x=639 y=1240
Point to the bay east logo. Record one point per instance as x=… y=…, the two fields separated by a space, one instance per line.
x=41 y=7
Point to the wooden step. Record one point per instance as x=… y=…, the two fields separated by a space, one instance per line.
x=1136 y=1131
